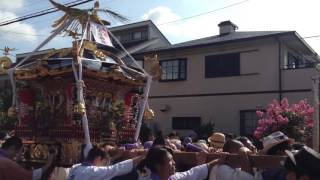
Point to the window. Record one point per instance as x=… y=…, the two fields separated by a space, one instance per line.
x=144 y=34
x=294 y=62
x=126 y=37
x=248 y=122
x=186 y=123
x=137 y=35
x=222 y=65
x=173 y=70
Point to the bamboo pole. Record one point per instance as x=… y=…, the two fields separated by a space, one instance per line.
x=143 y=106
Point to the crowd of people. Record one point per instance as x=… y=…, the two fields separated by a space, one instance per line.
x=302 y=162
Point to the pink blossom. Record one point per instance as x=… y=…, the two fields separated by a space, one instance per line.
x=310 y=123
x=284 y=103
x=280 y=114
x=261 y=129
x=310 y=110
x=261 y=122
x=283 y=120
x=258 y=134
x=260 y=114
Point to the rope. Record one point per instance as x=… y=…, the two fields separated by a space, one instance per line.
x=80 y=85
x=124 y=49
x=144 y=103
x=147 y=88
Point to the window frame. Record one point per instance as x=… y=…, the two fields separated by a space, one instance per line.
x=133 y=35
x=220 y=60
x=242 y=121
x=144 y=34
x=186 y=125
x=299 y=62
x=179 y=69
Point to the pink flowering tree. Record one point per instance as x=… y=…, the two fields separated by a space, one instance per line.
x=296 y=121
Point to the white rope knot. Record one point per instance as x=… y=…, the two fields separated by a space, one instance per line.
x=80 y=84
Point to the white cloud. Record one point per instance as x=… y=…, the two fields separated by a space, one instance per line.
x=16 y=32
x=258 y=15
x=184 y=29
x=161 y=15
x=57 y=42
x=8 y=5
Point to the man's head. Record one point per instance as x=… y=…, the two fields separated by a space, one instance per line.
x=173 y=135
x=276 y=144
x=97 y=157
x=160 y=161
x=107 y=147
x=12 y=147
x=247 y=143
x=232 y=146
x=304 y=164
x=159 y=141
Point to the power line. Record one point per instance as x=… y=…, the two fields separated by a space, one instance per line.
x=41 y=13
x=37 y=21
x=34 y=4
x=31 y=14
x=306 y=37
x=204 y=13
x=44 y=6
x=25 y=34
x=309 y=37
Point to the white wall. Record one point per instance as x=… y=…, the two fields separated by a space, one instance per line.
x=224 y=111
x=259 y=58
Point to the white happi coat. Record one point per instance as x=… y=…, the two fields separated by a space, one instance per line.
x=196 y=173
x=84 y=172
x=225 y=172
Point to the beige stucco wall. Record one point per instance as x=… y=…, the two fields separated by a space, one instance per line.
x=298 y=78
x=259 y=67
x=297 y=96
x=224 y=111
x=260 y=62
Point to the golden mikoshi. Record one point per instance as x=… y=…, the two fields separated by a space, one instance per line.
x=149 y=114
x=5 y=64
x=79 y=108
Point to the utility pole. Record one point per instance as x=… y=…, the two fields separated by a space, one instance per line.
x=315 y=134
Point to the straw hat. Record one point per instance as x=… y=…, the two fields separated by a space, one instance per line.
x=217 y=140
x=273 y=140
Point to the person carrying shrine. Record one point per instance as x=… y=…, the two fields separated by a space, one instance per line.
x=11 y=150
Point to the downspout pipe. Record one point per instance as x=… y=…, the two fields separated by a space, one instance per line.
x=280 y=68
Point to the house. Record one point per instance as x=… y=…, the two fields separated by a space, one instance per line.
x=134 y=37
x=225 y=78
x=222 y=79
x=135 y=34
x=139 y=36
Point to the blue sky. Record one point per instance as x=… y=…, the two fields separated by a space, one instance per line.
x=250 y=15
